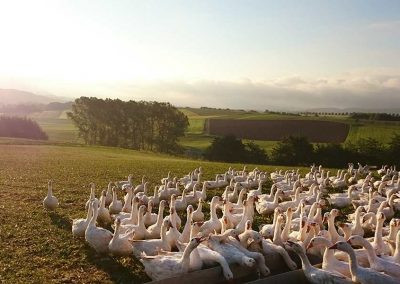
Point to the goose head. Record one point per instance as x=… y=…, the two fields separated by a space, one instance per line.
x=319 y=242
x=343 y=246
x=297 y=248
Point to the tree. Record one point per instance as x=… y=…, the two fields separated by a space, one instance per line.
x=293 y=150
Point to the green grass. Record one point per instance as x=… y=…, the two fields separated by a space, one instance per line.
x=61 y=129
x=37 y=246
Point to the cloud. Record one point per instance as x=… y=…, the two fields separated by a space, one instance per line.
x=367 y=89
x=361 y=89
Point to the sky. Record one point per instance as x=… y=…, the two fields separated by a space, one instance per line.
x=238 y=54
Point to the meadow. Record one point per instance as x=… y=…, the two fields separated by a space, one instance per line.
x=37 y=246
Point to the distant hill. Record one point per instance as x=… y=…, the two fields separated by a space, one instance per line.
x=15 y=97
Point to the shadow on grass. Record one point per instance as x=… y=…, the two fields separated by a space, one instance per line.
x=60 y=221
x=120 y=270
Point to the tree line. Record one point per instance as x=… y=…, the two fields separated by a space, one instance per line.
x=298 y=151
x=26 y=109
x=131 y=124
x=21 y=127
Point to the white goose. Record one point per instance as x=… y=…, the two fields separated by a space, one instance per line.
x=109 y=194
x=152 y=246
x=116 y=205
x=313 y=274
x=166 y=266
x=50 y=202
x=213 y=224
x=198 y=215
x=104 y=215
x=150 y=218
x=376 y=263
x=79 y=225
x=97 y=238
x=360 y=274
x=119 y=244
x=140 y=187
x=154 y=230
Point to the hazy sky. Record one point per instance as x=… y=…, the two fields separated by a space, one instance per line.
x=247 y=54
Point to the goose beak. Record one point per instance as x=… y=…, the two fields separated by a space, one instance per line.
x=333 y=246
x=237 y=238
x=310 y=245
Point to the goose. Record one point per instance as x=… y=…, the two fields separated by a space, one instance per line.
x=288 y=225
x=234 y=196
x=144 y=196
x=152 y=246
x=360 y=274
x=50 y=202
x=161 y=267
x=241 y=226
x=346 y=230
x=109 y=195
x=177 y=220
x=156 y=197
x=104 y=215
x=180 y=203
x=140 y=187
x=125 y=183
x=166 y=179
x=198 y=215
x=266 y=247
x=213 y=224
x=91 y=196
x=267 y=231
x=127 y=201
x=270 y=196
x=238 y=206
x=154 y=230
x=293 y=203
x=185 y=236
x=218 y=183
x=380 y=246
x=79 y=225
x=97 y=238
x=330 y=262
x=132 y=218
x=233 y=239
x=265 y=207
x=396 y=254
x=119 y=244
x=313 y=274
x=229 y=252
x=173 y=234
x=116 y=205
x=277 y=239
x=232 y=218
x=258 y=191
x=150 y=218
x=200 y=194
x=340 y=200
x=335 y=237
x=376 y=263
x=138 y=232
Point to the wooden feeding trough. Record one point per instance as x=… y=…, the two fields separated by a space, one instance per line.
x=214 y=275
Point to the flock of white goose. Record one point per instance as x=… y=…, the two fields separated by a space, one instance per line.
x=168 y=247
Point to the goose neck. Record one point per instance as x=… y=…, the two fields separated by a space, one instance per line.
x=305 y=262
x=370 y=252
x=213 y=211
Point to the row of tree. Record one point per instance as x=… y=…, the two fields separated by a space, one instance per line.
x=376 y=116
x=26 y=109
x=129 y=124
x=20 y=127
x=298 y=151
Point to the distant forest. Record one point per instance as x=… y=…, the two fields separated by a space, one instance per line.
x=132 y=124
x=20 y=127
x=25 y=109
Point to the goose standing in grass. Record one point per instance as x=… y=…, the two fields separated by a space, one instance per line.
x=155 y=229
x=153 y=246
x=119 y=244
x=92 y=196
x=109 y=196
x=360 y=274
x=97 y=238
x=104 y=215
x=313 y=274
x=116 y=205
x=50 y=202
x=79 y=225
x=375 y=262
x=198 y=215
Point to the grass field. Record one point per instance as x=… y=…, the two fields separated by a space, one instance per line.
x=60 y=129
x=36 y=246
